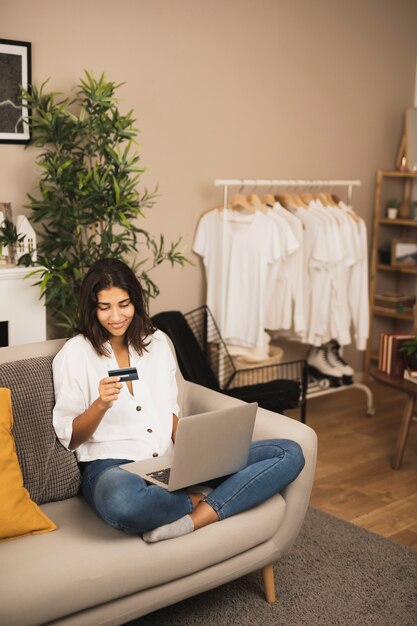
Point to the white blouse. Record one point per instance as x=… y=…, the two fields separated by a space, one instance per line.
x=137 y=426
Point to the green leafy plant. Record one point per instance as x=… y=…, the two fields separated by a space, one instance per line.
x=9 y=235
x=88 y=204
x=409 y=346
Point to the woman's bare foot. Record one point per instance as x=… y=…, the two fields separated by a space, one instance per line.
x=196 y=498
x=203 y=515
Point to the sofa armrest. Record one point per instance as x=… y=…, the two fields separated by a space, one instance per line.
x=268 y=425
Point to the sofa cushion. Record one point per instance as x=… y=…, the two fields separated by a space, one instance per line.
x=86 y=563
x=19 y=515
x=50 y=472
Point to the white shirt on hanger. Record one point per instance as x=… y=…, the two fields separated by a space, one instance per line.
x=286 y=308
x=238 y=251
x=358 y=284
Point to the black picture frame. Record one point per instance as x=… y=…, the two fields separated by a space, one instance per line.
x=15 y=70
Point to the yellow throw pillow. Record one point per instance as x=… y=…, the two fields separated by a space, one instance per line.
x=19 y=515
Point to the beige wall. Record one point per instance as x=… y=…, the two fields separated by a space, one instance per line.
x=243 y=88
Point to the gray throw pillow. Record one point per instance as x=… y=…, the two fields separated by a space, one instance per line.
x=50 y=472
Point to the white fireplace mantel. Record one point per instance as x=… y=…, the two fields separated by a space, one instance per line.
x=20 y=305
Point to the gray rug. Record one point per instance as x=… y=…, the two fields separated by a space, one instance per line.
x=336 y=574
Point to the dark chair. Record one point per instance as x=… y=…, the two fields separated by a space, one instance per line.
x=203 y=358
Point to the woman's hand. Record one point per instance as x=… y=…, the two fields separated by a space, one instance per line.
x=85 y=425
x=108 y=390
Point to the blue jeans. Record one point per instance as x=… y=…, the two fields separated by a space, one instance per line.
x=129 y=503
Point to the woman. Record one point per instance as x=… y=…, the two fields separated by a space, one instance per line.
x=109 y=423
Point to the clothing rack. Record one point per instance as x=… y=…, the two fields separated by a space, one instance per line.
x=262 y=182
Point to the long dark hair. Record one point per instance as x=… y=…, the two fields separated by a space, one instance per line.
x=103 y=274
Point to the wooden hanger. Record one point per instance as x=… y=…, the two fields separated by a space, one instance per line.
x=325 y=199
x=349 y=212
x=255 y=201
x=307 y=198
x=288 y=200
x=331 y=202
x=298 y=200
x=240 y=203
x=268 y=199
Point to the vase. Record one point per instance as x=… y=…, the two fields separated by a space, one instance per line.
x=404 y=210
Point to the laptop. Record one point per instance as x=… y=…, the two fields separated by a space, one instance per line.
x=207 y=446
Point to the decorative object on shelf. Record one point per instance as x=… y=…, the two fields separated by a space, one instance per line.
x=404 y=210
x=88 y=203
x=5 y=214
x=384 y=253
x=3 y=251
x=403 y=166
x=407 y=153
x=395 y=301
x=409 y=348
x=403 y=252
x=10 y=237
x=15 y=72
x=392 y=209
x=411 y=138
x=27 y=240
x=410 y=375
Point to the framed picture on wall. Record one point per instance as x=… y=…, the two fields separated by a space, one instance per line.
x=403 y=252
x=15 y=70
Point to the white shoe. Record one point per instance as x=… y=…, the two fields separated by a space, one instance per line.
x=318 y=362
x=338 y=362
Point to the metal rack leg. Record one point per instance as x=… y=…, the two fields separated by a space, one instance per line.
x=370 y=398
x=303 y=412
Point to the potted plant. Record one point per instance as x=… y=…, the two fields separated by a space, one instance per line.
x=409 y=347
x=9 y=237
x=88 y=204
x=392 y=209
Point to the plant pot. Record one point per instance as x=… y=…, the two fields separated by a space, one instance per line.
x=12 y=250
x=411 y=361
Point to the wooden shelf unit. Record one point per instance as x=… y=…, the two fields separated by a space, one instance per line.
x=399 y=278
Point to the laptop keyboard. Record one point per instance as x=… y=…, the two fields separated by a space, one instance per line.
x=161 y=475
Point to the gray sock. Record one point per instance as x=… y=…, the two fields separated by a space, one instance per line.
x=181 y=526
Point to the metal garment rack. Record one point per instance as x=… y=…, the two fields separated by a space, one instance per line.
x=226 y=183
x=262 y=182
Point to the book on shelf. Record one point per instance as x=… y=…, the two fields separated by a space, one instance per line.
x=391 y=360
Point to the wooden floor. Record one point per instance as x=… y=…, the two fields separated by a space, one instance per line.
x=354 y=479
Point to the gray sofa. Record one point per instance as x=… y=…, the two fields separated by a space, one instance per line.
x=86 y=573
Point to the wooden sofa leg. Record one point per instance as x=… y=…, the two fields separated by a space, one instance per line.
x=269 y=583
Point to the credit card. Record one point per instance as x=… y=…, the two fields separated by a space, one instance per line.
x=125 y=373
